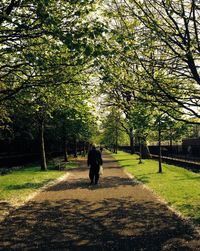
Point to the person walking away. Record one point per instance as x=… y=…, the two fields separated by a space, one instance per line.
x=94 y=162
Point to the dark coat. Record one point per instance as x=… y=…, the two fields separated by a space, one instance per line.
x=94 y=158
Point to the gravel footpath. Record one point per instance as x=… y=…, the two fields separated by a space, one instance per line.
x=118 y=214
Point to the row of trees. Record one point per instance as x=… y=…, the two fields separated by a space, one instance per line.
x=151 y=70
x=47 y=50
x=148 y=127
x=145 y=55
x=155 y=54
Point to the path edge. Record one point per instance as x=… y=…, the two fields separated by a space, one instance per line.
x=30 y=197
x=164 y=202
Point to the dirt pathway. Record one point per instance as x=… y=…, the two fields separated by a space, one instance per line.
x=118 y=214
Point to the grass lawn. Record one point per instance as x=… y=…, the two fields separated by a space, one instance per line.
x=17 y=186
x=179 y=187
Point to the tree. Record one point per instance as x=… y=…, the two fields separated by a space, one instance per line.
x=167 y=128
x=113 y=133
x=41 y=35
x=45 y=47
x=142 y=119
x=52 y=113
x=166 y=45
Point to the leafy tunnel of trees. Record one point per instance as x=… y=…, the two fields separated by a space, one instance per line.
x=138 y=59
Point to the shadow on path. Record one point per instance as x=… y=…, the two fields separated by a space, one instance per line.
x=110 y=224
x=105 y=182
x=116 y=215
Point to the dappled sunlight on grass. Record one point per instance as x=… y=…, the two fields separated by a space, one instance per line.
x=28 y=185
x=15 y=187
x=178 y=186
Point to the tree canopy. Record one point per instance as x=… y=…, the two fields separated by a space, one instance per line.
x=140 y=57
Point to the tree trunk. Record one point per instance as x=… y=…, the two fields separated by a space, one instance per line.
x=114 y=148
x=145 y=150
x=171 y=145
x=131 y=141
x=65 y=150
x=116 y=140
x=159 y=148
x=84 y=150
x=75 y=150
x=42 y=147
x=140 y=157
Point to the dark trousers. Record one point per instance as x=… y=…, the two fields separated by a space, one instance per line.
x=94 y=174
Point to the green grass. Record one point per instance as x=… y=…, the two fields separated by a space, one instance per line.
x=179 y=187
x=15 y=187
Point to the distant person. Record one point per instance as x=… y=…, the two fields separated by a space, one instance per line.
x=101 y=149
x=94 y=162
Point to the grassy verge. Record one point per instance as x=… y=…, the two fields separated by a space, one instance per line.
x=19 y=185
x=179 y=187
